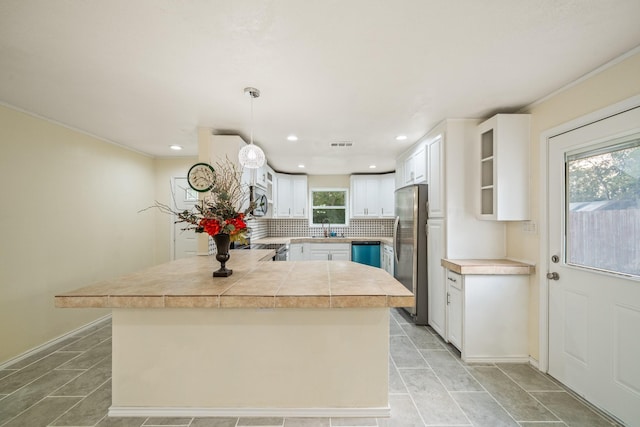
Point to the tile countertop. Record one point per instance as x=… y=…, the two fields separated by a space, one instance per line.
x=188 y=283
x=487 y=266
x=288 y=240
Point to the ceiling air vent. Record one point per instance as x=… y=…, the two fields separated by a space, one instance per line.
x=341 y=144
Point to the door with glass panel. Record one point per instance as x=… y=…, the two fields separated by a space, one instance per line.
x=594 y=266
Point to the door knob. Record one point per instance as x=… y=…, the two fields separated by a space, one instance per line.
x=553 y=276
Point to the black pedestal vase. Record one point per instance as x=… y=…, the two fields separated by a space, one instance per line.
x=222 y=241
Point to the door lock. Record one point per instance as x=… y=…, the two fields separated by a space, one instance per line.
x=555 y=259
x=553 y=276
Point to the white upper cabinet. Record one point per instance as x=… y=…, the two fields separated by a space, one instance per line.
x=412 y=166
x=372 y=196
x=504 y=168
x=387 y=196
x=291 y=196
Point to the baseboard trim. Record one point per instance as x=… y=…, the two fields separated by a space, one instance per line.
x=142 y=411
x=534 y=363
x=507 y=359
x=52 y=342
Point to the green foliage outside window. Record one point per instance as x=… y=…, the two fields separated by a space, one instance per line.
x=329 y=206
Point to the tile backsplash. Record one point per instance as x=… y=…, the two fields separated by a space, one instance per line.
x=301 y=228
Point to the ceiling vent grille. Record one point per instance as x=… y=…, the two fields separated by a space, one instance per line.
x=341 y=144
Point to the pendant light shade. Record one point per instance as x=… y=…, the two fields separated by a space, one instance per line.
x=251 y=156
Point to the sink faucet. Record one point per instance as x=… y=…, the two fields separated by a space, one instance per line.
x=326 y=232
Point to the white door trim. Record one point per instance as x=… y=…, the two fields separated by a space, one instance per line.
x=619 y=107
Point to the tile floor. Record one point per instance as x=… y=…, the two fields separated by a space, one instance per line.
x=69 y=385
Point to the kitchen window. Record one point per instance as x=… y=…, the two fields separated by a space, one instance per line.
x=329 y=206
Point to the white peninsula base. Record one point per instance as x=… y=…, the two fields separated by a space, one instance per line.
x=290 y=362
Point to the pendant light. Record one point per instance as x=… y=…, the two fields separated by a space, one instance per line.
x=251 y=156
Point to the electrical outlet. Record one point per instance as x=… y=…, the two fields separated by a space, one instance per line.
x=529 y=227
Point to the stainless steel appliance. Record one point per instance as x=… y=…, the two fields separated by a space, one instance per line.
x=282 y=250
x=410 y=246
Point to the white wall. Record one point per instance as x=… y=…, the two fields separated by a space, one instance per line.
x=68 y=217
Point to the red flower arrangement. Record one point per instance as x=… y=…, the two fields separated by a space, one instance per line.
x=230 y=226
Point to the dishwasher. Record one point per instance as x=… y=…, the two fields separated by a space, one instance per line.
x=366 y=252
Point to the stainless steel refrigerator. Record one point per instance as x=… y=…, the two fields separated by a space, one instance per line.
x=410 y=246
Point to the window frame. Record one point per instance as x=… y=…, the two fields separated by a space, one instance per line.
x=346 y=206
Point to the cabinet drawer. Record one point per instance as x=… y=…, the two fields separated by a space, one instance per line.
x=454 y=279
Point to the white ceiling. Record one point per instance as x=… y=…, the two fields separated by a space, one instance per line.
x=147 y=73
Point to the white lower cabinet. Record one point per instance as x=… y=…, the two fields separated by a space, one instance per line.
x=297 y=251
x=487 y=316
x=320 y=251
x=454 y=309
x=330 y=251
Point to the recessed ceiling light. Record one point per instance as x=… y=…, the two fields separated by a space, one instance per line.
x=372 y=166
x=301 y=166
x=292 y=138
x=401 y=137
x=176 y=147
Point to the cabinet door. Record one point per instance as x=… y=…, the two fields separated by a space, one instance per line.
x=400 y=172
x=386 y=195
x=420 y=165
x=436 y=178
x=283 y=197
x=299 y=197
x=318 y=254
x=261 y=176
x=297 y=252
x=408 y=170
x=437 y=288
x=358 y=196
x=329 y=251
x=455 y=285
x=340 y=255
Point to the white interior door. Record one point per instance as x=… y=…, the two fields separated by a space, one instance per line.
x=185 y=243
x=594 y=231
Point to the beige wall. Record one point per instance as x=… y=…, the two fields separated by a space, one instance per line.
x=328 y=181
x=68 y=217
x=614 y=84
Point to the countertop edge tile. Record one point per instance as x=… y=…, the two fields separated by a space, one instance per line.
x=187 y=283
x=487 y=266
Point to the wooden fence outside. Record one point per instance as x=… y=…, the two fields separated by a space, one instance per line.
x=605 y=239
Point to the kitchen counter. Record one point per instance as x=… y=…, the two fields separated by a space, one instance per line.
x=275 y=339
x=488 y=266
x=347 y=239
x=187 y=283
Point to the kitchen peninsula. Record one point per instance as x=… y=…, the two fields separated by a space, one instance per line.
x=307 y=338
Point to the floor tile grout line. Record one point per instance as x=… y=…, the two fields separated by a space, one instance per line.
x=77 y=403
x=530 y=395
x=35 y=379
x=81 y=400
x=564 y=389
x=494 y=398
x=444 y=387
x=405 y=384
x=23 y=411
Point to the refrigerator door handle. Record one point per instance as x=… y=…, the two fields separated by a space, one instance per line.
x=396 y=233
